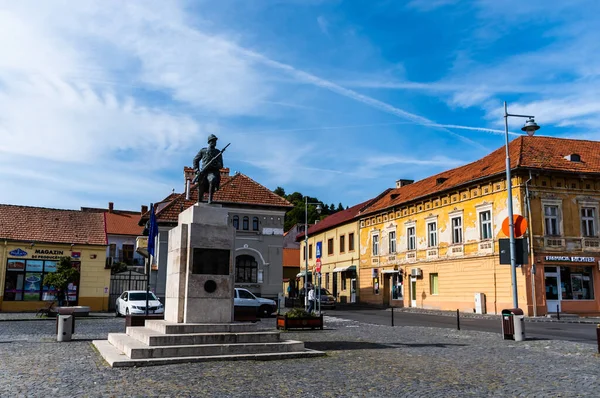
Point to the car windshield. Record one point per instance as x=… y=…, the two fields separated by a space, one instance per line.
x=325 y=292
x=141 y=296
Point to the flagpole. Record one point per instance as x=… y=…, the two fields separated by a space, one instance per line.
x=149 y=259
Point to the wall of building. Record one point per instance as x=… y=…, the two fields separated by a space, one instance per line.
x=119 y=241
x=94 y=278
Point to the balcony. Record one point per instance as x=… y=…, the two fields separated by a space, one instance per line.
x=455 y=250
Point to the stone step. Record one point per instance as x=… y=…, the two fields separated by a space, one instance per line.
x=153 y=338
x=116 y=358
x=135 y=349
x=165 y=327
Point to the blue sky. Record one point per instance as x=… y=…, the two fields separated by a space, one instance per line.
x=107 y=101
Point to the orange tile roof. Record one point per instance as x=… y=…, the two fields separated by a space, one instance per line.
x=238 y=189
x=536 y=153
x=38 y=224
x=123 y=223
x=291 y=257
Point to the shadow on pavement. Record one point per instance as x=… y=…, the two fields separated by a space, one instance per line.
x=362 y=345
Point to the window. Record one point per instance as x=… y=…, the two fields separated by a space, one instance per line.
x=246 y=269
x=244 y=294
x=255 y=223
x=397 y=293
x=433 y=284
x=236 y=222
x=577 y=283
x=112 y=250
x=375 y=245
x=485 y=225
x=432 y=234
x=588 y=217
x=457 y=230
x=412 y=239
x=344 y=280
x=551 y=220
x=392 y=238
x=245 y=223
x=310 y=251
x=327 y=280
x=342 y=243
x=330 y=246
x=375 y=285
x=304 y=253
x=351 y=241
x=128 y=254
x=24 y=279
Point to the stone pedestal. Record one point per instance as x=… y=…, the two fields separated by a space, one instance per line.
x=200 y=273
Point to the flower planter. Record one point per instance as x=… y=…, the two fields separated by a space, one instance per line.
x=285 y=323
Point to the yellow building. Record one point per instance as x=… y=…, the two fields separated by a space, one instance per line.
x=435 y=243
x=33 y=239
x=335 y=241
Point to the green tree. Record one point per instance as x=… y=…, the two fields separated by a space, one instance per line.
x=60 y=280
x=279 y=191
x=340 y=207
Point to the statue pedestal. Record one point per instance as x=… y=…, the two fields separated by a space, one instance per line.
x=200 y=277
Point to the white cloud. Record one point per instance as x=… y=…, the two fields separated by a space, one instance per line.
x=429 y=5
x=323 y=24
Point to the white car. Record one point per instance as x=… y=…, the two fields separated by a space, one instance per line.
x=245 y=298
x=134 y=302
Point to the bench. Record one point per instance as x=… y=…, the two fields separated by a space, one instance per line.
x=48 y=310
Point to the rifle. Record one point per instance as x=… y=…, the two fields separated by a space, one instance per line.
x=200 y=172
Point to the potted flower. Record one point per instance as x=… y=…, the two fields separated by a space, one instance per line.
x=298 y=318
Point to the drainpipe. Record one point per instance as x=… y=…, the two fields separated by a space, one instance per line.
x=531 y=254
x=3 y=274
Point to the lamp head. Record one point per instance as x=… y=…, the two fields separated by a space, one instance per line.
x=319 y=208
x=530 y=127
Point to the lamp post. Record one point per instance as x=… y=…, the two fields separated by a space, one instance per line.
x=306 y=203
x=530 y=128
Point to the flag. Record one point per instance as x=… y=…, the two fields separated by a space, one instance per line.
x=152 y=231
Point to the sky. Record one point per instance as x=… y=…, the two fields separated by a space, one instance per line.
x=108 y=101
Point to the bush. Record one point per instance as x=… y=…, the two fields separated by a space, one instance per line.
x=299 y=313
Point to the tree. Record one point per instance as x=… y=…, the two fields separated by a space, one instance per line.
x=60 y=280
x=340 y=207
x=279 y=191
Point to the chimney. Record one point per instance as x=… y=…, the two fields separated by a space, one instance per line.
x=111 y=207
x=144 y=209
x=224 y=172
x=402 y=183
x=187 y=189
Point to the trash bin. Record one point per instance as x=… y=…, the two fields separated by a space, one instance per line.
x=65 y=326
x=513 y=324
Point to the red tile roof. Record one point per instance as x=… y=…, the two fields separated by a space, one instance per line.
x=541 y=153
x=238 y=189
x=291 y=257
x=38 y=224
x=123 y=223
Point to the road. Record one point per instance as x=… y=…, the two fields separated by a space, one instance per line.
x=576 y=332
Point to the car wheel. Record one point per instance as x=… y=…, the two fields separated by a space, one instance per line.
x=126 y=311
x=117 y=313
x=264 y=311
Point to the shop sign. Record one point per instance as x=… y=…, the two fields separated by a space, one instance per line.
x=572 y=259
x=45 y=254
x=18 y=253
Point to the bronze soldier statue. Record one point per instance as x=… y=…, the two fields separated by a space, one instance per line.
x=209 y=177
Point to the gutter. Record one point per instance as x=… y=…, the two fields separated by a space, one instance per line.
x=531 y=253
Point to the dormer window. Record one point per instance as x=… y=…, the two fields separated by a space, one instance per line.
x=440 y=180
x=574 y=157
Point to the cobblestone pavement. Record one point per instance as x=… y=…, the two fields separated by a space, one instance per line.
x=363 y=360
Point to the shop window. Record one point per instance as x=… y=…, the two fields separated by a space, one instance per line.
x=457 y=230
x=376 y=285
x=485 y=225
x=392 y=241
x=246 y=269
x=351 y=241
x=551 y=220
x=342 y=243
x=245 y=223
x=236 y=222
x=23 y=281
x=397 y=289
x=588 y=220
x=330 y=246
x=255 y=223
x=432 y=234
x=433 y=284
x=375 y=246
x=412 y=238
x=577 y=283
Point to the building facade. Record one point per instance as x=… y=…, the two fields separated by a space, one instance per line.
x=34 y=240
x=257 y=215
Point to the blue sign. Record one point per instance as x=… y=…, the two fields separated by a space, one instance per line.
x=18 y=253
x=319 y=248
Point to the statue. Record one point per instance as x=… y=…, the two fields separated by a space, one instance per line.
x=209 y=177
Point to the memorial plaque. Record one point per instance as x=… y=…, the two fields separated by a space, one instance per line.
x=210 y=261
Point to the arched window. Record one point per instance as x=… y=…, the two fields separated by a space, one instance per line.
x=255 y=223
x=245 y=222
x=246 y=269
x=236 y=222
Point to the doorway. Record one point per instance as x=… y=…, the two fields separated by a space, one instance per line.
x=413 y=291
x=335 y=284
x=387 y=290
x=353 y=290
x=553 y=288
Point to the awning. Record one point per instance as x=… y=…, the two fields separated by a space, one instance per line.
x=390 y=271
x=344 y=269
x=302 y=273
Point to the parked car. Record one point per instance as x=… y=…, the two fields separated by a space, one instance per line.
x=328 y=300
x=134 y=302
x=245 y=298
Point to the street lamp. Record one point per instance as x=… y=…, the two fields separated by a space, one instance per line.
x=306 y=203
x=530 y=128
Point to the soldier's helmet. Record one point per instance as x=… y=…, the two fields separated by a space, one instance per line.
x=212 y=137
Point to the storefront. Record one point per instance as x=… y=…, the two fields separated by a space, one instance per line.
x=570 y=284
